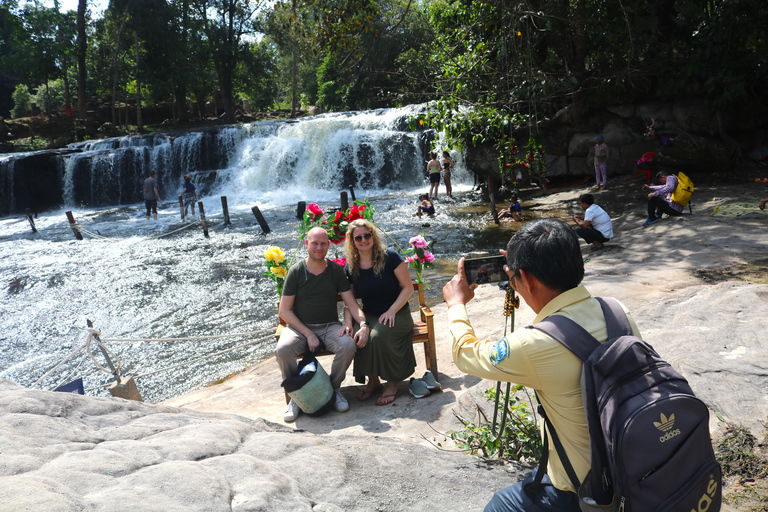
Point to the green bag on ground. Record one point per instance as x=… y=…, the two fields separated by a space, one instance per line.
x=683 y=191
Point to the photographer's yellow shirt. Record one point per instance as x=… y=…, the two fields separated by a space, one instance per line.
x=535 y=360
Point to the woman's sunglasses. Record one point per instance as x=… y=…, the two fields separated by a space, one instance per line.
x=360 y=238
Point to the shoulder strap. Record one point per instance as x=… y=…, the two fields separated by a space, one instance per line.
x=615 y=318
x=570 y=334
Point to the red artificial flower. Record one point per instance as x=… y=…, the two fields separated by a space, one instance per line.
x=354 y=213
x=339 y=217
x=314 y=209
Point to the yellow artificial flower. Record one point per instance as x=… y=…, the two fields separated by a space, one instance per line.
x=279 y=271
x=274 y=254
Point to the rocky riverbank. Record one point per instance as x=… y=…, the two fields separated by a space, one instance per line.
x=695 y=284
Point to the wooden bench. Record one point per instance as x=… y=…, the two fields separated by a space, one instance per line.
x=423 y=332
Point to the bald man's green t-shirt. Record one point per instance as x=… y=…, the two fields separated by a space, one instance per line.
x=315 y=295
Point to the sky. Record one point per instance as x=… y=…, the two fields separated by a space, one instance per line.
x=96 y=6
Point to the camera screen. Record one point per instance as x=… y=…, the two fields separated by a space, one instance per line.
x=485 y=270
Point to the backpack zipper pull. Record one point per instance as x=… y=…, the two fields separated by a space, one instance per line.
x=621 y=505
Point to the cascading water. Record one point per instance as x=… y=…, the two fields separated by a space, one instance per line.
x=133 y=281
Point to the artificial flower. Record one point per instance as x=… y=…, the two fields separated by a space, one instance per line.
x=274 y=254
x=340 y=261
x=418 y=242
x=279 y=271
x=314 y=209
x=429 y=256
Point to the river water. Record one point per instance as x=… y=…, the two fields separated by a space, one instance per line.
x=135 y=278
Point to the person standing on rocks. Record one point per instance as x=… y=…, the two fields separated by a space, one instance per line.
x=188 y=194
x=602 y=152
x=433 y=168
x=545 y=267
x=308 y=307
x=595 y=226
x=151 y=195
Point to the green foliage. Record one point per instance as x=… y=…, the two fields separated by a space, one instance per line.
x=22 y=101
x=735 y=453
x=51 y=96
x=520 y=440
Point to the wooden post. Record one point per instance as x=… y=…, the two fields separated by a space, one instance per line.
x=300 y=208
x=492 y=199
x=225 y=209
x=260 y=218
x=344 y=201
x=202 y=218
x=31 y=220
x=181 y=205
x=352 y=193
x=73 y=225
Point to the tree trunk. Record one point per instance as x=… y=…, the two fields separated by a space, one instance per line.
x=293 y=65
x=139 y=122
x=81 y=50
x=114 y=64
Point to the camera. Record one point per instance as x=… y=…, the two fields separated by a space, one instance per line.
x=489 y=269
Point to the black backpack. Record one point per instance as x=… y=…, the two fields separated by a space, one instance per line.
x=650 y=447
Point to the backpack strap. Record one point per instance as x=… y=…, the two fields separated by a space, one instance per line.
x=533 y=487
x=570 y=334
x=615 y=318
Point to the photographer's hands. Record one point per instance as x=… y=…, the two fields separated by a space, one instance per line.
x=457 y=290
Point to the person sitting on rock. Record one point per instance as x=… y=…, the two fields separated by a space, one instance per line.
x=308 y=307
x=514 y=212
x=425 y=206
x=660 y=199
x=595 y=226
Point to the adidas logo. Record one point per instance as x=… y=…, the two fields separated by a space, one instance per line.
x=706 y=499
x=665 y=425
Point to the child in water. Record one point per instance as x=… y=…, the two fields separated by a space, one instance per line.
x=426 y=206
x=188 y=194
x=514 y=212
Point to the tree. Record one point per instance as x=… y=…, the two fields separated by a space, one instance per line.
x=225 y=24
x=82 y=46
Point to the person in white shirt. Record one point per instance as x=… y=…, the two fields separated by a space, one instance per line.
x=595 y=226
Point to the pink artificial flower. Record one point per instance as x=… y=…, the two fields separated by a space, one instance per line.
x=429 y=256
x=340 y=261
x=409 y=259
x=418 y=242
x=314 y=209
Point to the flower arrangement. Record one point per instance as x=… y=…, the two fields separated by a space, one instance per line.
x=336 y=225
x=420 y=256
x=275 y=270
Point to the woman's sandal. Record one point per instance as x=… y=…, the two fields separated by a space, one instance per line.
x=366 y=393
x=382 y=398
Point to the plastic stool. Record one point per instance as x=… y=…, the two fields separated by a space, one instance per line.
x=647 y=175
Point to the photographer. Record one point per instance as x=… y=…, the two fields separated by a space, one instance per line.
x=545 y=267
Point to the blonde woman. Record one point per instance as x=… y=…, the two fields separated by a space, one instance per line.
x=380 y=277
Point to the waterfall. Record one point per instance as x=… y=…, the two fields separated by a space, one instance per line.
x=272 y=162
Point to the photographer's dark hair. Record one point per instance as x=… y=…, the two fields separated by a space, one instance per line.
x=548 y=250
x=587 y=199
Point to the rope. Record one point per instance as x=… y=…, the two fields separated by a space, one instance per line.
x=93 y=337
x=187 y=362
x=70 y=356
x=262 y=331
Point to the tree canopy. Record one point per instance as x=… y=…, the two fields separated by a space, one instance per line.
x=489 y=67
